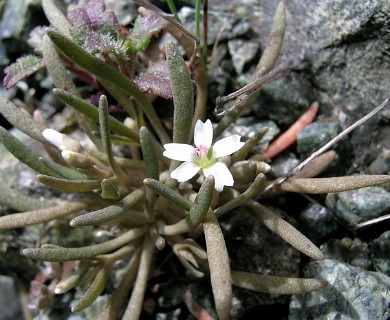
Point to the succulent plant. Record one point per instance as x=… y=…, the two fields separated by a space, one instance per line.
x=148 y=198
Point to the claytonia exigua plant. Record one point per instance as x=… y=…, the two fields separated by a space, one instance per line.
x=131 y=195
x=204 y=156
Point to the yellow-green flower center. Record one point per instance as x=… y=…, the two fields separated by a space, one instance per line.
x=205 y=157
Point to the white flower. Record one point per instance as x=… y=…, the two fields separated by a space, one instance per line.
x=204 y=156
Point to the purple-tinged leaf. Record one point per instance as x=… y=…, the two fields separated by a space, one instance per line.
x=22 y=68
x=145 y=27
x=90 y=16
x=156 y=79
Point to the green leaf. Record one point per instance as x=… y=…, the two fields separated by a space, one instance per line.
x=108 y=213
x=331 y=185
x=59 y=254
x=22 y=68
x=284 y=230
x=276 y=285
x=106 y=135
x=92 y=112
x=94 y=290
x=64 y=172
x=136 y=302
x=20 y=119
x=219 y=266
x=168 y=193
x=109 y=190
x=23 y=153
x=69 y=185
x=19 y=201
x=152 y=168
x=183 y=94
x=56 y=17
x=105 y=71
x=198 y=211
x=19 y=220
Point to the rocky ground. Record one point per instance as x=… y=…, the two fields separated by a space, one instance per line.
x=343 y=48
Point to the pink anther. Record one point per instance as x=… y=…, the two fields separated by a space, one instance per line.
x=202 y=150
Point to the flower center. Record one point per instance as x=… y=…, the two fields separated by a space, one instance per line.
x=202 y=150
x=205 y=157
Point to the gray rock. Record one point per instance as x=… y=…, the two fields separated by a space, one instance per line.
x=344 y=46
x=231 y=24
x=352 y=293
x=315 y=135
x=380 y=253
x=352 y=251
x=242 y=52
x=9 y=300
x=283 y=164
x=356 y=206
x=316 y=222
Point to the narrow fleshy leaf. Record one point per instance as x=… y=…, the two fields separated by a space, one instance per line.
x=56 y=17
x=119 y=296
x=94 y=290
x=168 y=193
x=219 y=266
x=149 y=154
x=284 y=230
x=152 y=168
x=243 y=172
x=23 y=153
x=186 y=251
x=69 y=185
x=254 y=189
x=22 y=68
x=275 y=41
x=276 y=285
x=108 y=213
x=197 y=212
x=65 y=172
x=68 y=282
x=106 y=134
x=92 y=112
x=183 y=95
x=19 y=201
x=134 y=307
x=156 y=80
x=62 y=80
x=19 y=220
x=105 y=71
x=20 y=119
x=331 y=185
x=109 y=190
x=317 y=165
x=89 y=252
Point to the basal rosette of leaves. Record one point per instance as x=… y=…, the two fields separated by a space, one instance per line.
x=152 y=199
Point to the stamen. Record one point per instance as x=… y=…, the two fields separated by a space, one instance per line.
x=202 y=150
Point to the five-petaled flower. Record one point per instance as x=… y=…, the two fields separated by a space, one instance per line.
x=204 y=156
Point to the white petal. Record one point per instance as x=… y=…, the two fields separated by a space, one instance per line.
x=227 y=146
x=54 y=137
x=222 y=175
x=179 y=151
x=185 y=171
x=203 y=134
